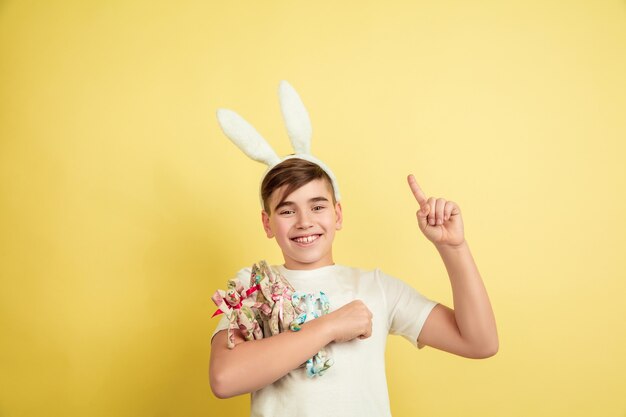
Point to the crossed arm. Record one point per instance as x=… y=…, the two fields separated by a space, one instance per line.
x=236 y=371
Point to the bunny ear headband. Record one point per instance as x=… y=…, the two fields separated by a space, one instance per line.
x=298 y=124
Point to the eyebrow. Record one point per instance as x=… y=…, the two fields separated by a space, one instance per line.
x=291 y=203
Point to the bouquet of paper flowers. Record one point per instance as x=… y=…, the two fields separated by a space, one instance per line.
x=270 y=306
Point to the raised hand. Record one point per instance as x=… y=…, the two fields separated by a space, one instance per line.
x=438 y=219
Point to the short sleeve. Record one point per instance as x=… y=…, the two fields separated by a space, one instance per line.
x=407 y=309
x=244 y=278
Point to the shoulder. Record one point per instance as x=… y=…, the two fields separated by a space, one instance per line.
x=243 y=275
x=247 y=271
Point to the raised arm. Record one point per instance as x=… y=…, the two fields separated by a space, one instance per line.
x=470 y=329
x=252 y=365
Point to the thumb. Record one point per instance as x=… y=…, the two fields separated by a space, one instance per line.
x=422 y=214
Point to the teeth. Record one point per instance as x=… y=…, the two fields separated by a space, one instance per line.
x=306 y=239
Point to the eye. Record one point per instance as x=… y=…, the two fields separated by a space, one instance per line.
x=318 y=208
x=286 y=212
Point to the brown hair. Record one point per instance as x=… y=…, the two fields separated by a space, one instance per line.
x=294 y=173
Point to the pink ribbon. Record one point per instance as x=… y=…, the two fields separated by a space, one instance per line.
x=245 y=295
x=280 y=298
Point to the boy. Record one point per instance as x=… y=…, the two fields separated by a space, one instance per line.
x=301 y=212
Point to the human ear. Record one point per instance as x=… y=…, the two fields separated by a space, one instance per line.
x=339 y=214
x=265 y=218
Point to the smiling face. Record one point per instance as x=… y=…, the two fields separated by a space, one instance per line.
x=304 y=224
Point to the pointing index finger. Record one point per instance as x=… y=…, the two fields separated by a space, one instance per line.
x=417 y=191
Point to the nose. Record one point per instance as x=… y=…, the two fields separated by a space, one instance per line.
x=304 y=221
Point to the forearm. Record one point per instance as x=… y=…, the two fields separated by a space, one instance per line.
x=472 y=309
x=252 y=365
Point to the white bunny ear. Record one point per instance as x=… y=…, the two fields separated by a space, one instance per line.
x=296 y=118
x=242 y=134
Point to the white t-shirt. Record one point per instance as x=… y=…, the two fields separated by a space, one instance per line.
x=355 y=385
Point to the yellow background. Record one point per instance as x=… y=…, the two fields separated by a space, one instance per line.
x=123 y=206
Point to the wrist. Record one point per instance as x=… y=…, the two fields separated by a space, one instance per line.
x=322 y=326
x=452 y=248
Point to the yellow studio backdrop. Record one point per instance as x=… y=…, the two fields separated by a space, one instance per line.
x=123 y=207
